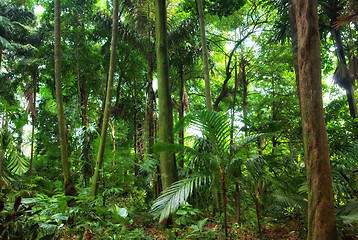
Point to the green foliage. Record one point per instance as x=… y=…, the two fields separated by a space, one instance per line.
x=19 y=222
x=174 y=196
x=185 y=214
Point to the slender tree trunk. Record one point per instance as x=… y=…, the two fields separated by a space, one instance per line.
x=348 y=86
x=294 y=41
x=99 y=160
x=181 y=112
x=238 y=202
x=151 y=96
x=1 y=178
x=167 y=159
x=33 y=115
x=223 y=182
x=321 y=215
x=245 y=85
x=204 y=47
x=69 y=186
x=1 y=50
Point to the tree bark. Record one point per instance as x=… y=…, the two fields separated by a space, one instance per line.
x=167 y=159
x=204 y=47
x=99 y=160
x=321 y=215
x=69 y=186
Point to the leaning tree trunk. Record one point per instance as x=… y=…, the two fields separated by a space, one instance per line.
x=168 y=167
x=321 y=215
x=204 y=47
x=102 y=144
x=69 y=186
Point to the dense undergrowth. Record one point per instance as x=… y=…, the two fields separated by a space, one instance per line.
x=119 y=215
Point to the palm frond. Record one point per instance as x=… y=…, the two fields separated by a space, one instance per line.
x=349 y=211
x=249 y=139
x=16 y=162
x=215 y=127
x=174 y=196
x=4 y=43
x=285 y=199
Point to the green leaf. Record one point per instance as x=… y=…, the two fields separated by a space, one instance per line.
x=201 y=224
x=59 y=216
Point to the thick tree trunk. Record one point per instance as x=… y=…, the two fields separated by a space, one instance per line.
x=321 y=215
x=69 y=186
x=167 y=159
x=99 y=160
x=204 y=47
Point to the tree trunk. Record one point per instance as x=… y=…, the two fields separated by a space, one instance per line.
x=151 y=99
x=347 y=85
x=99 y=160
x=0 y=56
x=87 y=171
x=1 y=178
x=33 y=115
x=238 y=203
x=181 y=113
x=204 y=47
x=167 y=159
x=321 y=215
x=69 y=186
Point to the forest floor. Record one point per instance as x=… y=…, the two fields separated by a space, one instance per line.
x=288 y=230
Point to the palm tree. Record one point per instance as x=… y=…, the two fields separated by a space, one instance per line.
x=221 y=156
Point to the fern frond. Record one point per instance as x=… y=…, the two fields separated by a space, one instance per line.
x=174 y=196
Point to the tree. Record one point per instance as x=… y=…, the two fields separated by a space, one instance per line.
x=321 y=215
x=99 y=160
x=69 y=186
x=168 y=166
x=209 y=105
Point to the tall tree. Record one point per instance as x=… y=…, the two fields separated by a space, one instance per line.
x=69 y=186
x=168 y=166
x=321 y=216
x=204 y=47
x=99 y=160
